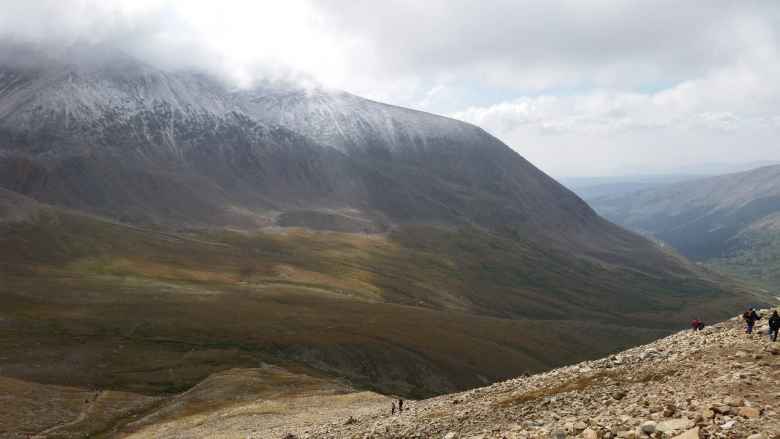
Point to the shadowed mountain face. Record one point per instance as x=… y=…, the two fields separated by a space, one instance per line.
x=128 y=141
x=470 y=264
x=732 y=220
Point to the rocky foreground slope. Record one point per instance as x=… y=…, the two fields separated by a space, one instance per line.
x=717 y=383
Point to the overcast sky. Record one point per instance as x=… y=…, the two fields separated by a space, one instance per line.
x=577 y=87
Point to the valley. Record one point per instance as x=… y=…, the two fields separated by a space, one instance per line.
x=729 y=222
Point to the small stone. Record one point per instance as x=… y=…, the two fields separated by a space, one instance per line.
x=450 y=435
x=722 y=409
x=590 y=434
x=757 y=436
x=690 y=434
x=734 y=402
x=579 y=426
x=619 y=395
x=707 y=414
x=647 y=427
x=749 y=412
x=728 y=425
x=557 y=434
x=674 y=425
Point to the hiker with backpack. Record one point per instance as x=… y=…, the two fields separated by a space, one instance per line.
x=697 y=325
x=751 y=317
x=774 y=326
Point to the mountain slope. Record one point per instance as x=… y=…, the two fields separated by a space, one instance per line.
x=128 y=141
x=732 y=220
x=650 y=391
x=417 y=312
x=123 y=139
x=203 y=228
x=652 y=387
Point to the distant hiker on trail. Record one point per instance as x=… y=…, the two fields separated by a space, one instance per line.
x=697 y=325
x=392 y=408
x=774 y=326
x=751 y=318
x=400 y=405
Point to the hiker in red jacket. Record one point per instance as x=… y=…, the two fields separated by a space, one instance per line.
x=697 y=325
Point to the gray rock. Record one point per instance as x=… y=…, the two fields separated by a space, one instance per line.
x=673 y=425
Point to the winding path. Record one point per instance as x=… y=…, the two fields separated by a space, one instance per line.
x=83 y=415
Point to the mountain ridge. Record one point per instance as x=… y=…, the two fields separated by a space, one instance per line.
x=729 y=220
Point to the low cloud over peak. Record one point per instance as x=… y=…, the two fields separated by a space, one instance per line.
x=577 y=87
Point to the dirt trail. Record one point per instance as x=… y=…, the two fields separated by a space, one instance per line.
x=85 y=412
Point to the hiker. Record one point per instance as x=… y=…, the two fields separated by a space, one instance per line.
x=774 y=326
x=697 y=325
x=750 y=317
x=400 y=405
x=392 y=408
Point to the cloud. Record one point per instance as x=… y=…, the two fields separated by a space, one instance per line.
x=239 y=39
x=727 y=116
x=579 y=87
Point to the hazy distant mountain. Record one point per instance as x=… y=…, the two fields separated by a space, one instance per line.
x=734 y=218
x=463 y=246
x=590 y=188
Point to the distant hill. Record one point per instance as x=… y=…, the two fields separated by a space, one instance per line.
x=731 y=220
x=590 y=188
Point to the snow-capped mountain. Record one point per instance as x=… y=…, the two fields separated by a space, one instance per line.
x=124 y=139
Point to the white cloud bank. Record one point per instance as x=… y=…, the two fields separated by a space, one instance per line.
x=578 y=87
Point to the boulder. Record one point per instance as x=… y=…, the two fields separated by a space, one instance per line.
x=647 y=427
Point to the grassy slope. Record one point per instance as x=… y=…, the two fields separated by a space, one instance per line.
x=88 y=302
x=754 y=254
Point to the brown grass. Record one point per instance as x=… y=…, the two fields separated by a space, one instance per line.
x=575 y=385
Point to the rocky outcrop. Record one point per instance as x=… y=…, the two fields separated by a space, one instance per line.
x=716 y=383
